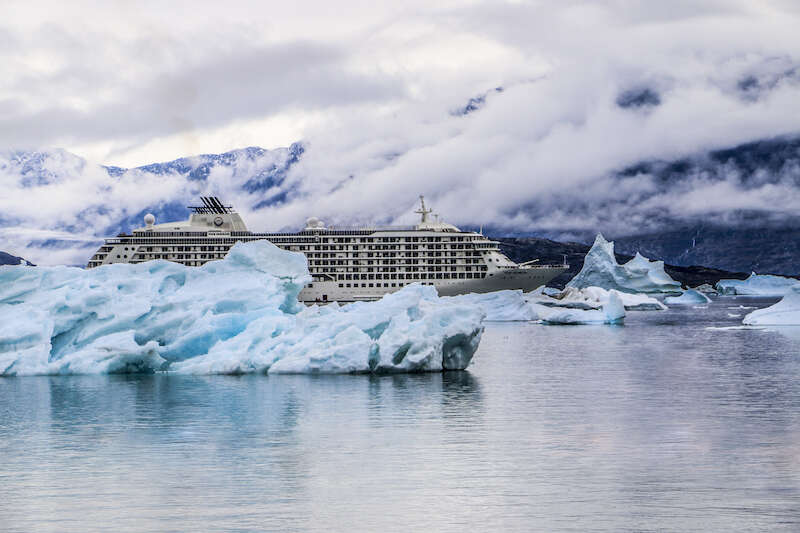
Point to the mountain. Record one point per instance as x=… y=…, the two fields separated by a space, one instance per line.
x=635 y=208
x=8 y=259
x=251 y=170
x=522 y=249
x=688 y=211
x=255 y=174
x=774 y=250
x=766 y=240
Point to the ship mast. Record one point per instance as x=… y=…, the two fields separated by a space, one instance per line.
x=422 y=211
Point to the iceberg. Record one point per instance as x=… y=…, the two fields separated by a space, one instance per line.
x=595 y=298
x=757 y=285
x=596 y=306
x=501 y=306
x=784 y=313
x=612 y=312
x=639 y=275
x=689 y=297
x=237 y=315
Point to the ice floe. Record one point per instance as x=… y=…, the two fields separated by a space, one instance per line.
x=237 y=315
x=784 y=313
x=757 y=285
x=595 y=298
x=689 y=297
x=505 y=306
x=639 y=275
x=584 y=306
x=612 y=312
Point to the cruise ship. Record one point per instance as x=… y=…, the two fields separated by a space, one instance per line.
x=346 y=263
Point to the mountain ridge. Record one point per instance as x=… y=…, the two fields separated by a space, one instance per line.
x=9 y=259
x=734 y=240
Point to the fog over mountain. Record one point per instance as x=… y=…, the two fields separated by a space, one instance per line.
x=661 y=126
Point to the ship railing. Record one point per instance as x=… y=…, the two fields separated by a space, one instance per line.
x=538 y=265
x=369 y=228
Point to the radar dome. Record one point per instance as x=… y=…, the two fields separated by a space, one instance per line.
x=149 y=219
x=314 y=223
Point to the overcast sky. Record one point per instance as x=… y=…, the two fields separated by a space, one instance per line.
x=372 y=89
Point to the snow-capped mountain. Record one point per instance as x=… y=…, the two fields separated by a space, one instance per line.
x=683 y=211
x=60 y=206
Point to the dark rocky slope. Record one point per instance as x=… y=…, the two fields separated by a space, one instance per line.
x=8 y=259
x=551 y=252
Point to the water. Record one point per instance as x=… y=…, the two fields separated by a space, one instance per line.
x=660 y=425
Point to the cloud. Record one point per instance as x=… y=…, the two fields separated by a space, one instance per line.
x=378 y=97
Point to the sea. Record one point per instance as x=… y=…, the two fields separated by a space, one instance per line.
x=679 y=420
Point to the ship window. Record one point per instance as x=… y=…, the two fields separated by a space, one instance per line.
x=363 y=284
x=341 y=285
x=371 y=284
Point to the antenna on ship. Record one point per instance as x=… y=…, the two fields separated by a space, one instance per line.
x=422 y=211
x=212 y=204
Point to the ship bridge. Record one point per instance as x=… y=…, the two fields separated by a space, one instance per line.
x=211 y=216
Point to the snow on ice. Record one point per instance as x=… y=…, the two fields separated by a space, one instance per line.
x=639 y=275
x=237 y=315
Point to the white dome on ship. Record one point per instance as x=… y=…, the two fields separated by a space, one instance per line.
x=314 y=223
x=149 y=219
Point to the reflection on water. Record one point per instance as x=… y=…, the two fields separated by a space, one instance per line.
x=662 y=424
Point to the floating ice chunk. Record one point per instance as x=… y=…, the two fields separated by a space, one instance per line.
x=705 y=288
x=639 y=275
x=689 y=297
x=612 y=312
x=641 y=302
x=595 y=297
x=784 y=313
x=757 y=285
x=505 y=306
x=236 y=315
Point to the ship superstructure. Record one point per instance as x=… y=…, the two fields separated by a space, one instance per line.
x=346 y=263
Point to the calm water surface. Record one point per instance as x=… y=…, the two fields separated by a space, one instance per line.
x=660 y=425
